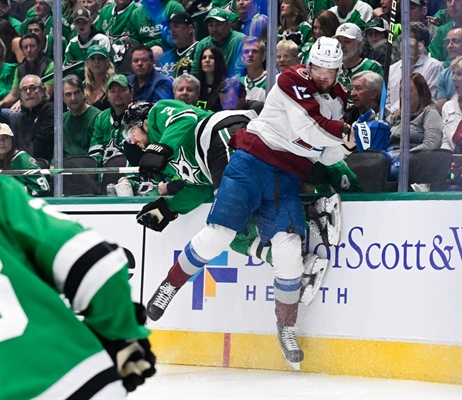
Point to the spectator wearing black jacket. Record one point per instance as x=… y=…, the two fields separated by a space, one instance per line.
x=35 y=126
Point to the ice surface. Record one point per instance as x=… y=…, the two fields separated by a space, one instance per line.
x=189 y=382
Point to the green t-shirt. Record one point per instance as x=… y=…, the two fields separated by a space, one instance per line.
x=231 y=49
x=7 y=73
x=40 y=256
x=48 y=21
x=78 y=131
x=360 y=14
x=437 y=49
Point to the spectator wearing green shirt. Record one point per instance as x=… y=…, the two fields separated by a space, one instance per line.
x=79 y=120
x=43 y=10
x=222 y=36
x=5 y=14
x=7 y=71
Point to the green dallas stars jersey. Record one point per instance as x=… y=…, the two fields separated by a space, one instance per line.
x=175 y=62
x=345 y=75
x=107 y=137
x=112 y=23
x=45 y=351
x=173 y=122
x=36 y=185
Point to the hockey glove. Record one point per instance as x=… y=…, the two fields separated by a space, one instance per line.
x=133 y=359
x=133 y=153
x=372 y=135
x=156 y=215
x=154 y=161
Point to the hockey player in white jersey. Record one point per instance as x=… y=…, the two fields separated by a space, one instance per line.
x=300 y=124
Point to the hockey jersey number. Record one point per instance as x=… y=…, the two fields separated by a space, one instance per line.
x=13 y=319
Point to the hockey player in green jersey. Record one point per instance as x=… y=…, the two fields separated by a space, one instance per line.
x=46 y=352
x=12 y=158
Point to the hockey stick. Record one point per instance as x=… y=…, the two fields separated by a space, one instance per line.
x=71 y=171
x=386 y=67
x=66 y=69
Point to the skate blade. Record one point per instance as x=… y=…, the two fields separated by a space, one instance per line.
x=334 y=229
x=310 y=292
x=294 y=366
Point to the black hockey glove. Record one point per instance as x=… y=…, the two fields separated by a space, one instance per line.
x=133 y=153
x=156 y=215
x=133 y=358
x=154 y=161
x=174 y=187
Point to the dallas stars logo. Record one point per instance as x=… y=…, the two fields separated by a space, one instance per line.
x=185 y=170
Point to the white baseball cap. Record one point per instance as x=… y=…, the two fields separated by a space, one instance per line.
x=5 y=130
x=350 y=31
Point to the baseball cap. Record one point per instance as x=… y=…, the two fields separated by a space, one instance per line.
x=219 y=14
x=5 y=130
x=378 y=24
x=120 y=79
x=422 y=3
x=350 y=31
x=181 y=17
x=97 y=49
x=82 y=13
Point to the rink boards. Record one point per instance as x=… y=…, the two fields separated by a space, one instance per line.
x=391 y=304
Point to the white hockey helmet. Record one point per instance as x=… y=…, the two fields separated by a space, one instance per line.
x=326 y=52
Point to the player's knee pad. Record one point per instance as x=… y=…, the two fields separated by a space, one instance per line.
x=211 y=241
x=287 y=255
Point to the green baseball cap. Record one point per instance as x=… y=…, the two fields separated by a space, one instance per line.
x=219 y=14
x=97 y=49
x=120 y=79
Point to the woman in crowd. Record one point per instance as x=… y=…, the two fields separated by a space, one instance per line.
x=7 y=71
x=212 y=71
x=98 y=70
x=11 y=158
x=426 y=128
x=325 y=23
x=294 y=25
x=11 y=39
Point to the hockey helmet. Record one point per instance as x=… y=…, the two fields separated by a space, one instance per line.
x=326 y=52
x=136 y=114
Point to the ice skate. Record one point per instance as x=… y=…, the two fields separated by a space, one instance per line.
x=325 y=219
x=312 y=278
x=289 y=346
x=160 y=300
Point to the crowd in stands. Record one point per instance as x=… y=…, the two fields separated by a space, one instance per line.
x=212 y=54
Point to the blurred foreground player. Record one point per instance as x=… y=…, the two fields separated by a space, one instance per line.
x=45 y=351
x=301 y=123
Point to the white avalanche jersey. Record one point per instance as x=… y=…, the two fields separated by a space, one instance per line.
x=299 y=120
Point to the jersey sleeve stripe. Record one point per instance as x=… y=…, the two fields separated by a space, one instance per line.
x=79 y=376
x=97 y=276
x=81 y=267
x=70 y=252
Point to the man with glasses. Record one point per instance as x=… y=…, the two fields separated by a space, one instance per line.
x=108 y=131
x=35 y=126
x=427 y=66
x=446 y=87
x=34 y=63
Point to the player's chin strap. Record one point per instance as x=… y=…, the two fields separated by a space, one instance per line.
x=325 y=219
